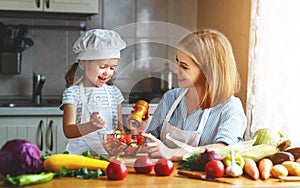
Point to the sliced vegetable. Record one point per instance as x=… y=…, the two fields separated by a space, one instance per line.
x=73 y=162
x=28 y=179
x=250 y=168
x=264 y=166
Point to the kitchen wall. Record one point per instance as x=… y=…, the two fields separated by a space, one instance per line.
x=148 y=51
x=231 y=17
x=52 y=54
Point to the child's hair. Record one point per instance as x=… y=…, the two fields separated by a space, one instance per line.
x=70 y=74
x=74 y=75
x=213 y=53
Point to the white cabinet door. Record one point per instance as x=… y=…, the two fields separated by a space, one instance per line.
x=61 y=140
x=58 y=6
x=71 y=6
x=21 y=5
x=46 y=132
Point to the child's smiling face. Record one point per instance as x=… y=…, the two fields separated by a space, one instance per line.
x=98 y=72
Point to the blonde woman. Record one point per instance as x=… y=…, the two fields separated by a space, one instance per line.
x=203 y=111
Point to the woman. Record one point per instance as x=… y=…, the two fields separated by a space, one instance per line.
x=203 y=111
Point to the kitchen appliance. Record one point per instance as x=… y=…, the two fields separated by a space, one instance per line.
x=38 y=82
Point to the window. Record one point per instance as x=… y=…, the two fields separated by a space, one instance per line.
x=274 y=68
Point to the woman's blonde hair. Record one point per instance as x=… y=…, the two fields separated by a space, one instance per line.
x=213 y=53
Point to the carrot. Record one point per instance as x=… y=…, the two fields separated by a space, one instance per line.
x=264 y=166
x=250 y=168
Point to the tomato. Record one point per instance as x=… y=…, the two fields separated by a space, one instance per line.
x=215 y=168
x=143 y=165
x=163 y=167
x=116 y=170
x=131 y=150
x=125 y=138
x=140 y=139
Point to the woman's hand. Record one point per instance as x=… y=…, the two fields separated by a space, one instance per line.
x=96 y=120
x=158 y=149
x=142 y=127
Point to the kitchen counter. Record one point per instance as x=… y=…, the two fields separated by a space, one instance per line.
x=134 y=180
x=53 y=110
x=31 y=111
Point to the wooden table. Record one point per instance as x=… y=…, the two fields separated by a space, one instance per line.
x=134 y=180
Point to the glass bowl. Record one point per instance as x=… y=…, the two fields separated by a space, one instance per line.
x=122 y=145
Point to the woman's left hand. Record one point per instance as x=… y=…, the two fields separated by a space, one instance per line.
x=156 y=148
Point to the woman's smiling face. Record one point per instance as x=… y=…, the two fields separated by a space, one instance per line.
x=187 y=71
x=98 y=72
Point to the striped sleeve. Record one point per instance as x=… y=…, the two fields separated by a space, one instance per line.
x=118 y=95
x=233 y=123
x=68 y=96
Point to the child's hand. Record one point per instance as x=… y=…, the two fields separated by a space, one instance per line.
x=96 y=120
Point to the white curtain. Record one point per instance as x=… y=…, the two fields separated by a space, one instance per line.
x=274 y=68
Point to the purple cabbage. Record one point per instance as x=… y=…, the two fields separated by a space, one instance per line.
x=19 y=156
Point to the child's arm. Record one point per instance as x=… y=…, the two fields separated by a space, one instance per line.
x=73 y=130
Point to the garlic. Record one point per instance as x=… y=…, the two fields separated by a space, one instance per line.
x=233 y=170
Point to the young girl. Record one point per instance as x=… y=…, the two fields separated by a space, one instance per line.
x=203 y=111
x=90 y=105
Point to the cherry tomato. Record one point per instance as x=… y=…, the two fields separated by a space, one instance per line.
x=116 y=170
x=131 y=150
x=143 y=165
x=163 y=167
x=140 y=139
x=215 y=168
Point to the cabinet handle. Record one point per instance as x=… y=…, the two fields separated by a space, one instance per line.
x=38 y=3
x=51 y=135
x=47 y=2
x=41 y=128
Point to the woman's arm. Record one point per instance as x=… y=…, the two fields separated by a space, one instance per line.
x=156 y=148
x=73 y=130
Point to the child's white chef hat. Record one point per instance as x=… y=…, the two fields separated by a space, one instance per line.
x=98 y=44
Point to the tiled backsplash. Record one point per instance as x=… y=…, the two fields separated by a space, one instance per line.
x=52 y=50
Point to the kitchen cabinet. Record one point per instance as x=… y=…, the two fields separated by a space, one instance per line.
x=44 y=131
x=55 y=6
